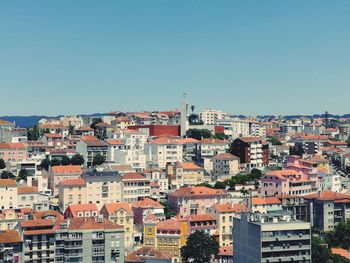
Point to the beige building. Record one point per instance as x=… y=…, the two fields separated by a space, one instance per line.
x=72 y=191
x=8 y=194
x=63 y=172
x=121 y=214
x=225 y=165
x=223 y=214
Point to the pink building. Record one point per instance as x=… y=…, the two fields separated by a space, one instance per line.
x=60 y=173
x=287 y=182
x=13 y=152
x=195 y=200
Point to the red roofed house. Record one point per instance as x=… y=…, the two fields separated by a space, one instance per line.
x=81 y=211
x=148 y=255
x=252 y=151
x=60 y=173
x=328 y=209
x=266 y=205
x=146 y=207
x=195 y=200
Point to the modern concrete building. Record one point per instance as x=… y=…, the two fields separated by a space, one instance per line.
x=271 y=238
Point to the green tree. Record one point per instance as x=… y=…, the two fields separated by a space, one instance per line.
x=168 y=211
x=94 y=122
x=274 y=141
x=200 y=248
x=2 y=164
x=338 y=259
x=77 y=159
x=45 y=164
x=198 y=134
x=33 y=133
x=55 y=162
x=221 y=136
x=23 y=174
x=71 y=129
x=320 y=251
x=255 y=174
x=7 y=175
x=220 y=185
x=205 y=184
x=66 y=160
x=98 y=159
x=341 y=235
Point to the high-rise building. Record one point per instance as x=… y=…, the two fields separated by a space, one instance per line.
x=271 y=238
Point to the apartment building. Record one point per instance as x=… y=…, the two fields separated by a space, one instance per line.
x=133 y=153
x=271 y=238
x=6 y=128
x=158 y=176
x=29 y=197
x=135 y=187
x=195 y=200
x=72 y=191
x=121 y=214
x=89 y=147
x=89 y=240
x=310 y=144
x=252 y=151
x=185 y=174
x=235 y=127
x=223 y=214
x=103 y=187
x=60 y=173
x=327 y=209
x=225 y=165
x=210 y=117
x=8 y=194
x=38 y=240
x=264 y=205
x=256 y=129
x=287 y=182
x=163 y=151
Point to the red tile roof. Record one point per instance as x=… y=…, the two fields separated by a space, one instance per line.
x=112 y=208
x=213 y=141
x=7 y=182
x=27 y=190
x=189 y=166
x=196 y=191
x=147 y=202
x=341 y=252
x=170 y=224
x=146 y=253
x=53 y=135
x=63 y=169
x=73 y=182
x=115 y=142
x=13 y=145
x=250 y=139
x=225 y=156
x=10 y=236
x=133 y=176
x=92 y=224
x=328 y=196
x=265 y=201
x=165 y=140
x=226 y=251
x=37 y=223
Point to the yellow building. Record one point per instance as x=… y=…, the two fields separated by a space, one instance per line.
x=122 y=214
x=185 y=174
x=168 y=236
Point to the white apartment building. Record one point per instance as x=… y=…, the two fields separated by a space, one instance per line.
x=163 y=151
x=210 y=117
x=133 y=153
x=235 y=127
x=225 y=165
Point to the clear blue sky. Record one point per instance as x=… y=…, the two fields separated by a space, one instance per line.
x=245 y=57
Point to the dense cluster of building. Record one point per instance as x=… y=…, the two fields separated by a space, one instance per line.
x=101 y=188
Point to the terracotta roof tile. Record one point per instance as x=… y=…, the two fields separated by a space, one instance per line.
x=92 y=224
x=7 y=182
x=147 y=202
x=27 y=190
x=63 y=169
x=73 y=182
x=225 y=156
x=196 y=191
x=10 y=236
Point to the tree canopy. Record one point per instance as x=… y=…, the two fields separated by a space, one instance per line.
x=98 y=159
x=198 y=134
x=77 y=159
x=2 y=164
x=200 y=248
